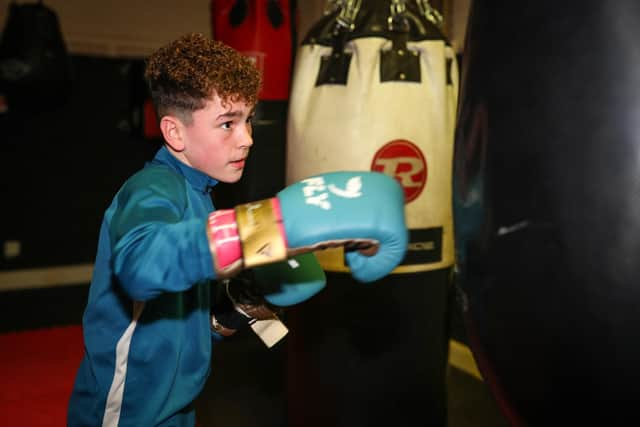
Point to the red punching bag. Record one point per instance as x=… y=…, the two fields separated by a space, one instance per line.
x=263 y=30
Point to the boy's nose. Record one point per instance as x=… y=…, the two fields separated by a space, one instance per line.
x=245 y=138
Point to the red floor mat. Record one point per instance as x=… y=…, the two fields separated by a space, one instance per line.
x=37 y=370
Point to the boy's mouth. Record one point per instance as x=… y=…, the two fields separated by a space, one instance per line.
x=238 y=164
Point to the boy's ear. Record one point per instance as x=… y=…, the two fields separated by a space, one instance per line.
x=171 y=128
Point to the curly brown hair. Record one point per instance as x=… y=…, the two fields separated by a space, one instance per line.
x=185 y=73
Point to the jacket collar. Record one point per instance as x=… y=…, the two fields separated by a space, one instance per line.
x=198 y=180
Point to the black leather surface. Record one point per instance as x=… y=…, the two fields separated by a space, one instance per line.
x=546 y=196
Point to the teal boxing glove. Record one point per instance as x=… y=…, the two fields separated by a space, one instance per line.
x=362 y=211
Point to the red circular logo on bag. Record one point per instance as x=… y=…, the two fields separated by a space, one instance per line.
x=404 y=161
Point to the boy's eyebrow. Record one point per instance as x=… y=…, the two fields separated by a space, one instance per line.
x=235 y=113
x=229 y=114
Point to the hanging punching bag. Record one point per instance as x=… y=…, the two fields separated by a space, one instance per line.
x=546 y=207
x=264 y=30
x=35 y=69
x=375 y=88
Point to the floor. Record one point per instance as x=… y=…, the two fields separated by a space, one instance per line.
x=226 y=398
x=470 y=403
x=245 y=388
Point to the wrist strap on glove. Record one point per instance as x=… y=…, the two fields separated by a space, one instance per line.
x=261 y=232
x=240 y=303
x=250 y=235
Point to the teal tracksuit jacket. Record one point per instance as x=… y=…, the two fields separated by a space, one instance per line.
x=146 y=326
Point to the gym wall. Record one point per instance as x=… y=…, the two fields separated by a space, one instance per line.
x=133 y=28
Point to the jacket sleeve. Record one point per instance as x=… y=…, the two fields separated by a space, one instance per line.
x=155 y=250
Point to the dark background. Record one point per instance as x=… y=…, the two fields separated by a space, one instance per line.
x=61 y=167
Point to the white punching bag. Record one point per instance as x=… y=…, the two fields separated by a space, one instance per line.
x=375 y=87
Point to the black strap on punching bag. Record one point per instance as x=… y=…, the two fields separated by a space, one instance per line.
x=399 y=63
x=400 y=21
x=35 y=70
x=239 y=12
x=334 y=68
x=274 y=13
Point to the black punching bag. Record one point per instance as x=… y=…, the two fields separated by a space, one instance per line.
x=35 y=68
x=546 y=185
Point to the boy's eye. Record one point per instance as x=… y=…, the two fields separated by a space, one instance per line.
x=226 y=125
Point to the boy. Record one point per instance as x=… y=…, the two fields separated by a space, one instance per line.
x=147 y=265
x=148 y=325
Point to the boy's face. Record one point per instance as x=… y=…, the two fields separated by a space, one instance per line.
x=218 y=139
